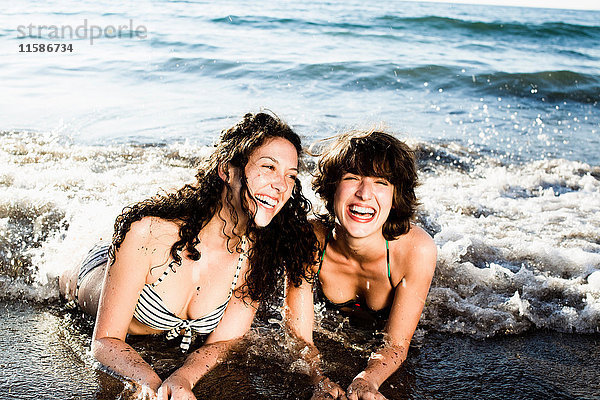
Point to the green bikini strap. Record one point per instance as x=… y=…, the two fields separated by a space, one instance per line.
x=323 y=254
x=387 y=247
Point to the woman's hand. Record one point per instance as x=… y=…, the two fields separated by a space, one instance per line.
x=145 y=393
x=361 y=389
x=327 y=389
x=175 y=388
x=135 y=391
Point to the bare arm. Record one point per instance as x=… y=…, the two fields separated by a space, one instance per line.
x=299 y=320
x=123 y=283
x=407 y=307
x=233 y=326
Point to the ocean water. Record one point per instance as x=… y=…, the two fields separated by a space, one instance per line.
x=500 y=103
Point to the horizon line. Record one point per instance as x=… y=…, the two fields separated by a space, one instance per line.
x=581 y=5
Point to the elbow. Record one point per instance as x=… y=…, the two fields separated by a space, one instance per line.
x=98 y=348
x=225 y=343
x=104 y=349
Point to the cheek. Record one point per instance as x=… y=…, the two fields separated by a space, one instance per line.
x=340 y=194
x=386 y=198
x=287 y=196
x=291 y=190
x=254 y=179
x=336 y=201
x=390 y=197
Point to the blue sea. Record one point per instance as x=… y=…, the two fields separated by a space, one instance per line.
x=501 y=105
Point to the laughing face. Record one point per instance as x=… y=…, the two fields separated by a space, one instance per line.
x=271 y=174
x=362 y=204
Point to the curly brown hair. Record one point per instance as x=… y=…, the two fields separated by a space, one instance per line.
x=287 y=244
x=370 y=153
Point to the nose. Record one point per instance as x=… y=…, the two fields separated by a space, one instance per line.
x=365 y=190
x=279 y=183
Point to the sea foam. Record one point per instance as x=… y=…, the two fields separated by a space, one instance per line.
x=518 y=244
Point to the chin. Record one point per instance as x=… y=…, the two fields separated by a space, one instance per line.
x=359 y=231
x=357 y=234
x=262 y=220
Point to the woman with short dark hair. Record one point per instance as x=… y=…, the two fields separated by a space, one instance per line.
x=374 y=265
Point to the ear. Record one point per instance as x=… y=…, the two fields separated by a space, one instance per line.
x=225 y=172
x=228 y=173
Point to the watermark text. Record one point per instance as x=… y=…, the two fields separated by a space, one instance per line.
x=83 y=31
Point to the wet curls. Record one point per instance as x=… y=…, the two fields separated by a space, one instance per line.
x=286 y=244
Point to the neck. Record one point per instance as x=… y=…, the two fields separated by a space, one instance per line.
x=362 y=249
x=221 y=230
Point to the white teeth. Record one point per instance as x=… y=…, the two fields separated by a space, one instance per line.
x=362 y=210
x=266 y=200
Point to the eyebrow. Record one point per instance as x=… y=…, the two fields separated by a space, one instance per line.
x=276 y=161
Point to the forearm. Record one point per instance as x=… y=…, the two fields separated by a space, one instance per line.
x=382 y=364
x=203 y=360
x=299 y=320
x=324 y=388
x=309 y=353
x=121 y=358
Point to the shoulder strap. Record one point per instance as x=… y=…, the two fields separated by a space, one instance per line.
x=323 y=254
x=239 y=265
x=389 y=267
x=387 y=248
x=171 y=267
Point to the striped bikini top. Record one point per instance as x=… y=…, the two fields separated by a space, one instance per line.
x=152 y=311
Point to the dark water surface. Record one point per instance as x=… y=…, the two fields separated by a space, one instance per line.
x=44 y=356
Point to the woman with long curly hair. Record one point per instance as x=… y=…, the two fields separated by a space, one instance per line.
x=375 y=266
x=201 y=259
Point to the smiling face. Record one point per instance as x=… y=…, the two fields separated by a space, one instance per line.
x=367 y=155
x=271 y=174
x=362 y=204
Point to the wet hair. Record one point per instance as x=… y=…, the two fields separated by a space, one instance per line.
x=287 y=244
x=375 y=154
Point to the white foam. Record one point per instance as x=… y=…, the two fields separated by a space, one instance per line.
x=85 y=185
x=518 y=240
x=518 y=244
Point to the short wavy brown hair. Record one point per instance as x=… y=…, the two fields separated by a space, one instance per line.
x=371 y=153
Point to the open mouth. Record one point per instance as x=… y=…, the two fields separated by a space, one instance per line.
x=266 y=201
x=361 y=213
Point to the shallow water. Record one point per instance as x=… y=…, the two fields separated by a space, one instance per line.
x=45 y=356
x=518 y=243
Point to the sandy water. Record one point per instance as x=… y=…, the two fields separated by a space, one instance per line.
x=45 y=356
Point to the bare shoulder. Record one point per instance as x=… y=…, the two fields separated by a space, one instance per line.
x=416 y=251
x=150 y=236
x=152 y=228
x=421 y=243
